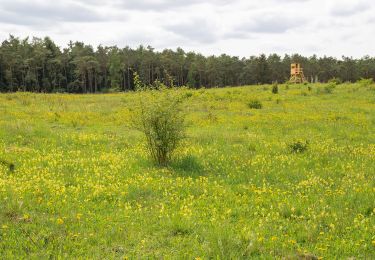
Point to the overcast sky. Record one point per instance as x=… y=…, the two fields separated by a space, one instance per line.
x=236 y=27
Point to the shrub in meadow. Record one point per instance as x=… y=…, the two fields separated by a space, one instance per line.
x=365 y=82
x=255 y=104
x=335 y=81
x=275 y=88
x=328 y=89
x=7 y=164
x=298 y=146
x=160 y=117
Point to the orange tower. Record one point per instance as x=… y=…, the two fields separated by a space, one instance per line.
x=296 y=73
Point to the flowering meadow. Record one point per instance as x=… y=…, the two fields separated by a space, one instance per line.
x=291 y=177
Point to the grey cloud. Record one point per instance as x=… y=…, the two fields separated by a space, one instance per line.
x=159 y=5
x=31 y=13
x=270 y=24
x=197 y=30
x=293 y=1
x=236 y=35
x=345 y=9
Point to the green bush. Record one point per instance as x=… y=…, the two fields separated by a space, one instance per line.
x=255 y=104
x=328 y=89
x=275 y=88
x=335 y=81
x=298 y=146
x=365 y=82
x=7 y=164
x=160 y=117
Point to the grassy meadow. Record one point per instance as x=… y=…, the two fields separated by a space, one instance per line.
x=83 y=187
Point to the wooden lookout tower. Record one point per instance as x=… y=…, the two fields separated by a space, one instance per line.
x=296 y=73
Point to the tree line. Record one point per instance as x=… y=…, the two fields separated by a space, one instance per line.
x=39 y=65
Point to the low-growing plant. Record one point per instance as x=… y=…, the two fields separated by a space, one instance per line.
x=365 y=82
x=7 y=164
x=255 y=104
x=275 y=88
x=189 y=94
x=328 y=89
x=188 y=164
x=298 y=146
x=161 y=119
x=335 y=81
x=211 y=116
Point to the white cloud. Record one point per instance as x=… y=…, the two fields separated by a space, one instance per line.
x=237 y=27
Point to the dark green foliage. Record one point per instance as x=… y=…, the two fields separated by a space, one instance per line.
x=115 y=69
x=365 y=82
x=298 y=146
x=39 y=65
x=275 y=88
x=329 y=88
x=10 y=165
x=336 y=81
x=255 y=104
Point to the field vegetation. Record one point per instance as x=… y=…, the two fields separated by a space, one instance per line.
x=261 y=173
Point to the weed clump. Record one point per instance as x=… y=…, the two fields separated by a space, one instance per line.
x=335 y=81
x=328 y=89
x=7 y=164
x=298 y=146
x=275 y=88
x=365 y=82
x=255 y=104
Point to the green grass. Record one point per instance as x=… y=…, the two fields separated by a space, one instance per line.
x=83 y=187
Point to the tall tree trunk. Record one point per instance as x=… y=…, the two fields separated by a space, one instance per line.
x=128 y=78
